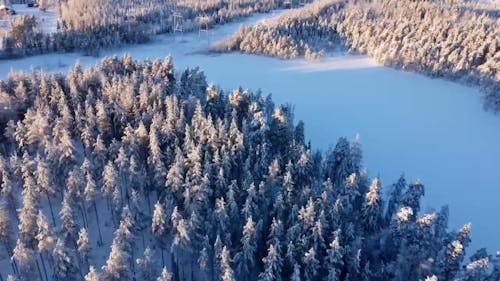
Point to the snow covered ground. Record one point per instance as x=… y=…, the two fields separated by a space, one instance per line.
x=48 y=19
x=430 y=129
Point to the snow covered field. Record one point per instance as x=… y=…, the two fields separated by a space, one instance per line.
x=430 y=129
x=48 y=19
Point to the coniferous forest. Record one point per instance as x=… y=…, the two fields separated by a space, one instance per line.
x=88 y=26
x=132 y=170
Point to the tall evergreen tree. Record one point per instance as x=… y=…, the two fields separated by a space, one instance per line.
x=65 y=268
x=147 y=267
x=272 y=265
x=245 y=259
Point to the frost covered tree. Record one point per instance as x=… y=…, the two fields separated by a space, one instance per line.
x=90 y=193
x=65 y=268
x=311 y=264
x=29 y=212
x=147 y=267
x=372 y=208
x=46 y=240
x=68 y=217
x=83 y=244
x=6 y=230
x=226 y=269
x=44 y=181
x=118 y=266
x=245 y=259
x=159 y=227
x=25 y=261
x=272 y=265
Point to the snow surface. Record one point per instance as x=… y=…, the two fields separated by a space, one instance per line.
x=48 y=19
x=429 y=129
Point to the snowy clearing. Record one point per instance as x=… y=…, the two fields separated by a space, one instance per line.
x=48 y=19
x=429 y=129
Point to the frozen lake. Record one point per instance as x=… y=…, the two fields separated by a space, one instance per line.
x=429 y=129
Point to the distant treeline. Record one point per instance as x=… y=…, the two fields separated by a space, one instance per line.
x=91 y=25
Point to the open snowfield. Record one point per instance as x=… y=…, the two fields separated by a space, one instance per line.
x=48 y=19
x=430 y=129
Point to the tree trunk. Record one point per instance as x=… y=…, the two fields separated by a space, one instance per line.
x=143 y=241
x=51 y=209
x=44 y=268
x=148 y=197
x=84 y=218
x=39 y=271
x=14 y=267
x=162 y=258
x=100 y=243
x=13 y=262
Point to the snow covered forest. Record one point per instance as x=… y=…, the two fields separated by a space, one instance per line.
x=436 y=38
x=90 y=25
x=134 y=171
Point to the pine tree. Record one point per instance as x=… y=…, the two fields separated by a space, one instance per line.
x=395 y=198
x=272 y=265
x=222 y=222
x=103 y=122
x=83 y=244
x=90 y=194
x=227 y=271
x=159 y=224
x=372 y=208
x=245 y=259
x=46 y=235
x=7 y=191
x=118 y=265
x=296 y=273
x=117 y=268
x=147 y=266
x=25 y=260
x=181 y=245
x=6 y=230
x=46 y=239
x=334 y=260
x=250 y=208
x=68 y=217
x=338 y=162
x=412 y=196
x=175 y=175
x=29 y=213
x=204 y=258
x=65 y=268
x=311 y=265
x=44 y=181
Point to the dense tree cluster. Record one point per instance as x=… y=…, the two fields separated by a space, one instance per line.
x=197 y=184
x=304 y=32
x=90 y=25
x=453 y=41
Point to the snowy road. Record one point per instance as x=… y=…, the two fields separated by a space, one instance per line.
x=430 y=129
